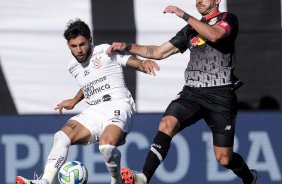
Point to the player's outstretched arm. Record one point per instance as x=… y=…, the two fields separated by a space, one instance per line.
x=174 y=9
x=150 y=52
x=212 y=33
x=116 y=46
x=132 y=48
x=146 y=66
x=70 y=103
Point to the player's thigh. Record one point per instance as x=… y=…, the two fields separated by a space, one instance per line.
x=97 y=118
x=112 y=135
x=117 y=122
x=222 y=125
x=77 y=133
x=185 y=110
x=91 y=119
x=169 y=125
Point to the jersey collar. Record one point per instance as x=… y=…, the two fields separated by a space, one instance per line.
x=213 y=15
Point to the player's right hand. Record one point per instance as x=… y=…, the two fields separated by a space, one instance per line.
x=149 y=67
x=66 y=104
x=116 y=46
x=174 y=9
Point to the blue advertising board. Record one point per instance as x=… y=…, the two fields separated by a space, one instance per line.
x=25 y=142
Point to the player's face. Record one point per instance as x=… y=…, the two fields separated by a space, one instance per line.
x=80 y=48
x=207 y=7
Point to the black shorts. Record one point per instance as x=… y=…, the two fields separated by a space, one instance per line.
x=217 y=105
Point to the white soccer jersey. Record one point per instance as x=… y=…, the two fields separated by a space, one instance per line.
x=101 y=78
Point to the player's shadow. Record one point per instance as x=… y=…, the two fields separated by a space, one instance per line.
x=266 y=103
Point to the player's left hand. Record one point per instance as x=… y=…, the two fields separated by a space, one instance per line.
x=66 y=104
x=174 y=9
x=116 y=46
x=149 y=67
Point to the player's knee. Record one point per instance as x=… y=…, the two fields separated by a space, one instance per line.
x=108 y=140
x=165 y=126
x=223 y=160
x=168 y=126
x=110 y=154
x=104 y=141
x=61 y=138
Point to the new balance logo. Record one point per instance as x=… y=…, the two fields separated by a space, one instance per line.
x=228 y=127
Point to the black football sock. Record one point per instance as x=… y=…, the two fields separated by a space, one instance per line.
x=240 y=168
x=157 y=154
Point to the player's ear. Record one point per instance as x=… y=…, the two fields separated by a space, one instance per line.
x=68 y=45
x=217 y=2
x=90 y=40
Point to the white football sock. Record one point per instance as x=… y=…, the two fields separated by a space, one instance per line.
x=112 y=157
x=57 y=156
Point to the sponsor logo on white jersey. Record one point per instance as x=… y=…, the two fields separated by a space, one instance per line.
x=74 y=67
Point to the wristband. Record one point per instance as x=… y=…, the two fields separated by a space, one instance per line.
x=186 y=16
x=143 y=63
x=128 y=46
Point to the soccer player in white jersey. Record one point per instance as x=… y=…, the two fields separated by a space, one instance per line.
x=108 y=119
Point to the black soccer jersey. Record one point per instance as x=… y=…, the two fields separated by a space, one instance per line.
x=211 y=64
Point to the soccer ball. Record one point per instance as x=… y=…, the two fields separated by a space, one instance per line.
x=73 y=173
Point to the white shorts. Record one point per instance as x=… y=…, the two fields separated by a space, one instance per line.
x=97 y=117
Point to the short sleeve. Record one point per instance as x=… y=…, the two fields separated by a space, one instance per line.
x=180 y=40
x=228 y=22
x=73 y=67
x=120 y=57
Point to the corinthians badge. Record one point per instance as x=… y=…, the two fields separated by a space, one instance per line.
x=97 y=63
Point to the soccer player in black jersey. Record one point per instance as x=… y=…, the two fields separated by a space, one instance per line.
x=209 y=90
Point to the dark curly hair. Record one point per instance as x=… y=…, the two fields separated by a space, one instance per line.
x=76 y=28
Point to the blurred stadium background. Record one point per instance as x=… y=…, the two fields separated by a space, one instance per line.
x=34 y=78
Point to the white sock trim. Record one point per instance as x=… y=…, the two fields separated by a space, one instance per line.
x=157 y=153
x=107 y=146
x=65 y=137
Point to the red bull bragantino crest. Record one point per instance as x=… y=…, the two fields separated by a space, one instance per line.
x=198 y=40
